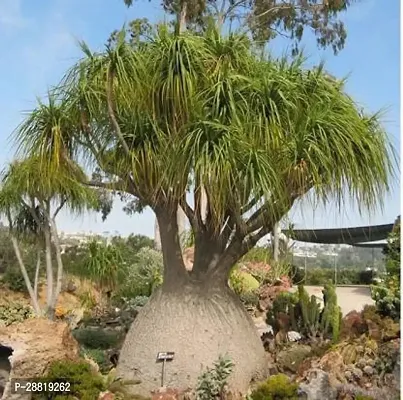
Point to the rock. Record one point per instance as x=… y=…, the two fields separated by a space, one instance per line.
x=106 y=396
x=36 y=343
x=333 y=364
x=71 y=287
x=396 y=369
x=290 y=358
x=293 y=336
x=262 y=327
x=75 y=317
x=318 y=386
x=368 y=370
x=166 y=394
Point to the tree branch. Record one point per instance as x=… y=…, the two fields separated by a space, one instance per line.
x=233 y=7
x=58 y=209
x=189 y=212
x=111 y=111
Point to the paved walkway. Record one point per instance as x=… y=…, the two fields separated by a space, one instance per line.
x=349 y=297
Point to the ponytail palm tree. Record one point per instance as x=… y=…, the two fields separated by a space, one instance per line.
x=257 y=134
x=31 y=197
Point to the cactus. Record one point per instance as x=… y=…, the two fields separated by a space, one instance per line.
x=331 y=314
x=305 y=313
x=283 y=304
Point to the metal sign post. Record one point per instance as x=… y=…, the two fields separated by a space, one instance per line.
x=164 y=357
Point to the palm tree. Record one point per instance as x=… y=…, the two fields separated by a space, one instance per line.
x=31 y=197
x=257 y=134
x=103 y=264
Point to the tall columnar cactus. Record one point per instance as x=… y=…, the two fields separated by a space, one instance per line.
x=305 y=313
x=331 y=314
x=310 y=313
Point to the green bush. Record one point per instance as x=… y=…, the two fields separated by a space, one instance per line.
x=387 y=298
x=14 y=312
x=84 y=383
x=250 y=298
x=387 y=294
x=14 y=280
x=97 y=338
x=142 y=276
x=135 y=303
x=242 y=282
x=100 y=357
x=277 y=387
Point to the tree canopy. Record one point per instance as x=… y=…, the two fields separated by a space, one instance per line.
x=175 y=112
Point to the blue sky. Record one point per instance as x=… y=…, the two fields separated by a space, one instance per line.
x=39 y=43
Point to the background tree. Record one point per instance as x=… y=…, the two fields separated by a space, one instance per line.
x=392 y=251
x=102 y=263
x=31 y=205
x=387 y=293
x=256 y=133
x=264 y=19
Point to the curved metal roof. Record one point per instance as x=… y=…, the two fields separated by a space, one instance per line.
x=352 y=236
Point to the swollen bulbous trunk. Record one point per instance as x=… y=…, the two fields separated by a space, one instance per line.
x=199 y=323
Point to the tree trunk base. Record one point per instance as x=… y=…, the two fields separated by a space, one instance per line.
x=199 y=325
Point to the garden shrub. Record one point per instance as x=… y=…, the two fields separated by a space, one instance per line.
x=250 y=298
x=14 y=280
x=387 y=298
x=87 y=300
x=242 y=282
x=85 y=384
x=211 y=384
x=100 y=357
x=143 y=276
x=387 y=294
x=97 y=338
x=134 y=303
x=277 y=387
x=14 y=312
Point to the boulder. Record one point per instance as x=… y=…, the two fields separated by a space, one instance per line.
x=106 y=396
x=317 y=386
x=290 y=358
x=262 y=327
x=36 y=343
x=333 y=364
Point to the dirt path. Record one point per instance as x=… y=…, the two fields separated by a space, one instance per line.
x=349 y=297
